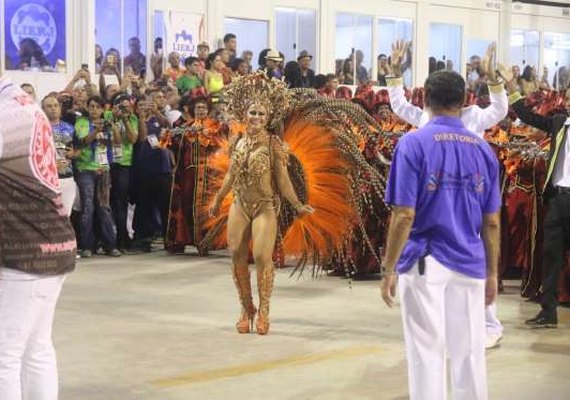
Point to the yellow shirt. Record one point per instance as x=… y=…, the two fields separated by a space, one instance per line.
x=214 y=82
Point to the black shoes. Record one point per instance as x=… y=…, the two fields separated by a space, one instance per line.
x=86 y=253
x=543 y=320
x=114 y=253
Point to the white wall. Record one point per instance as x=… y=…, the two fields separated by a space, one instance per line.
x=480 y=20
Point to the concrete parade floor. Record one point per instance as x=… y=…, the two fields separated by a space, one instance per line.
x=159 y=327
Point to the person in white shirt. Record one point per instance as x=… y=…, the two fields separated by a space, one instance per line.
x=475 y=119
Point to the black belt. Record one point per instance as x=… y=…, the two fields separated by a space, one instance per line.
x=422 y=265
x=562 y=190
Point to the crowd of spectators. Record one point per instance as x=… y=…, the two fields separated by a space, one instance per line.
x=110 y=135
x=527 y=82
x=349 y=71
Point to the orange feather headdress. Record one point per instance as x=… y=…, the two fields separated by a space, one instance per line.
x=327 y=169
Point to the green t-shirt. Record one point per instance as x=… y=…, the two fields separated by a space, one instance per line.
x=93 y=156
x=123 y=154
x=186 y=83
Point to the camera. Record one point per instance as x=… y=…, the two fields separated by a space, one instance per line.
x=66 y=103
x=123 y=109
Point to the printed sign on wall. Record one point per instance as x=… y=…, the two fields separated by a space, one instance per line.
x=34 y=34
x=183 y=32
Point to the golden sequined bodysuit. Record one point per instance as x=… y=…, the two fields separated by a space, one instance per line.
x=252 y=165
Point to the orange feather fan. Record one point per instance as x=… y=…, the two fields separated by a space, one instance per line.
x=327 y=186
x=325 y=174
x=216 y=226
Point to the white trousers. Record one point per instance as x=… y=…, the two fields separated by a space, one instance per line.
x=28 y=366
x=68 y=193
x=492 y=323
x=444 y=315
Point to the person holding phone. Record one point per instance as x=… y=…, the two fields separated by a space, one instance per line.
x=152 y=169
x=95 y=138
x=82 y=79
x=110 y=76
x=125 y=125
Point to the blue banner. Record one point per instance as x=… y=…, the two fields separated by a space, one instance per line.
x=34 y=34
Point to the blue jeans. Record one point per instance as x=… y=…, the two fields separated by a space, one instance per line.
x=90 y=192
x=120 y=182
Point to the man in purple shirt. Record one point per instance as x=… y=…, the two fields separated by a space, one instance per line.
x=443 y=242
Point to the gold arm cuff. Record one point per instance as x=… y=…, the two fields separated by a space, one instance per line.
x=496 y=88
x=514 y=97
x=395 y=81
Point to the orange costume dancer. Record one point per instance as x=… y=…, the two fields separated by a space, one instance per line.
x=375 y=218
x=525 y=168
x=270 y=178
x=198 y=139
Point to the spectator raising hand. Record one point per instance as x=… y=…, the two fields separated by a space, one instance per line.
x=399 y=51
x=488 y=63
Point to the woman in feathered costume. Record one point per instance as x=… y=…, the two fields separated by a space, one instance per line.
x=316 y=160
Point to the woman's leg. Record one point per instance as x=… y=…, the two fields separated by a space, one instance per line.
x=264 y=233
x=239 y=233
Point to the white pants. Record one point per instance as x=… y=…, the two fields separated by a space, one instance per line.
x=444 y=315
x=28 y=367
x=68 y=193
x=492 y=323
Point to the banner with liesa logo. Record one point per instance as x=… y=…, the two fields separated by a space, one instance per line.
x=183 y=32
x=35 y=34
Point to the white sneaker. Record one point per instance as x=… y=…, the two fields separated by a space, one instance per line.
x=493 y=340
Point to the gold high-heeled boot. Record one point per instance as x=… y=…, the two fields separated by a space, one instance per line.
x=265 y=277
x=242 y=281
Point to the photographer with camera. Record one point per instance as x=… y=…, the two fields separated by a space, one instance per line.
x=81 y=88
x=125 y=126
x=95 y=138
x=134 y=84
x=110 y=71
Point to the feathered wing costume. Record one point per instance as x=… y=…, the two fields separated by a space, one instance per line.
x=326 y=138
